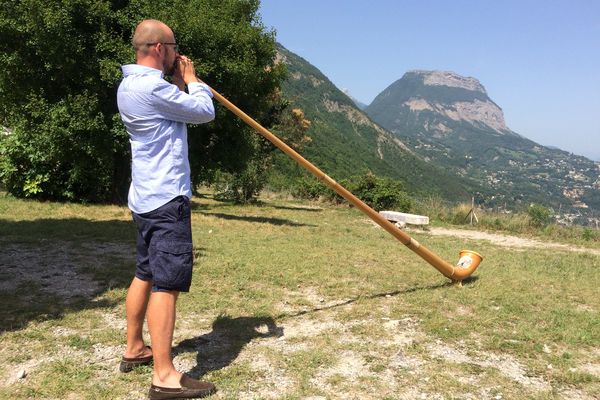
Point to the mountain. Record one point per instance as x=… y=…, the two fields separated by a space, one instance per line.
x=451 y=121
x=345 y=142
x=356 y=102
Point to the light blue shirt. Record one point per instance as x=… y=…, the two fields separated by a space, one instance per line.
x=155 y=113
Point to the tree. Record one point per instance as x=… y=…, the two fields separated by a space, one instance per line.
x=59 y=70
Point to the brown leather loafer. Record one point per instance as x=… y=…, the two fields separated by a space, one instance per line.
x=128 y=364
x=190 y=389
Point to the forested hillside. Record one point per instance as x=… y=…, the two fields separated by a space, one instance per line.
x=345 y=142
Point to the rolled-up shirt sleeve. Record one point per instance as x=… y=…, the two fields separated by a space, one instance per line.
x=173 y=104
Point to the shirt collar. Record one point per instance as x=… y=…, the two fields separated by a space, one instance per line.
x=136 y=69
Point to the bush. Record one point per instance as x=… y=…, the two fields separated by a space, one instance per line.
x=590 y=235
x=379 y=193
x=241 y=187
x=539 y=216
x=312 y=189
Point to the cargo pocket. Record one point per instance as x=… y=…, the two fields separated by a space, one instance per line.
x=174 y=265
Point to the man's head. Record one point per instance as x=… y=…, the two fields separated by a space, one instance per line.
x=155 y=46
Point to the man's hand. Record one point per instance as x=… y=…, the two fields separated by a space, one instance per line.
x=185 y=72
x=177 y=80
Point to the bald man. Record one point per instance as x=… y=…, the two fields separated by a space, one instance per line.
x=155 y=113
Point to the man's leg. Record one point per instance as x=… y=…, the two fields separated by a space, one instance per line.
x=135 y=307
x=161 y=323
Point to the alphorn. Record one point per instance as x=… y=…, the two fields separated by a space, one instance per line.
x=468 y=260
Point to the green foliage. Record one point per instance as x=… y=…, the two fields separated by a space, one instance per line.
x=235 y=55
x=64 y=150
x=57 y=85
x=345 y=143
x=59 y=70
x=377 y=192
x=539 y=215
x=590 y=235
x=241 y=187
x=310 y=188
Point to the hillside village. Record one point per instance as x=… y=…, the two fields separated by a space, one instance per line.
x=574 y=179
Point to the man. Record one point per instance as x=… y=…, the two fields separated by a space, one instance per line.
x=155 y=113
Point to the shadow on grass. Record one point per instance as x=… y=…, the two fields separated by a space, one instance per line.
x=18 y=310
x=262 y=220
x=67 y=229
x=219 y=348
x=298 y=208
x=52 y=267
x=229 y=336
x=469 y=280
x=372 y=296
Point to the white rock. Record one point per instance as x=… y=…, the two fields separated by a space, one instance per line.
x=546 y=349
x=21 y=374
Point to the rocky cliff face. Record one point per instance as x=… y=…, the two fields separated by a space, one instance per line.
x=458 y=98
x=450 y=79
x=476 y=112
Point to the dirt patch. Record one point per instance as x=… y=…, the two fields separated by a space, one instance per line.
x=349 y=367
x=505 y=364
x=57 y=267
x=509 y=240
x=592 y=369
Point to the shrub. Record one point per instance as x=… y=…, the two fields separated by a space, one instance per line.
x=241 y=187
x=379 y=193
x=589 y=234
x=311 y=188
x=539 y=216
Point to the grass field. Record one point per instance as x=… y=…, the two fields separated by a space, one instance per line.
x=295 y=300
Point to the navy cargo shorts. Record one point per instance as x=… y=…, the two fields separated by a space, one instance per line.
x=164 y=246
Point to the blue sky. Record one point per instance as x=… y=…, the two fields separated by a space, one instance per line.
x=538 y=60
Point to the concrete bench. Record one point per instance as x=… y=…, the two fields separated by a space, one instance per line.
x=401 y=219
